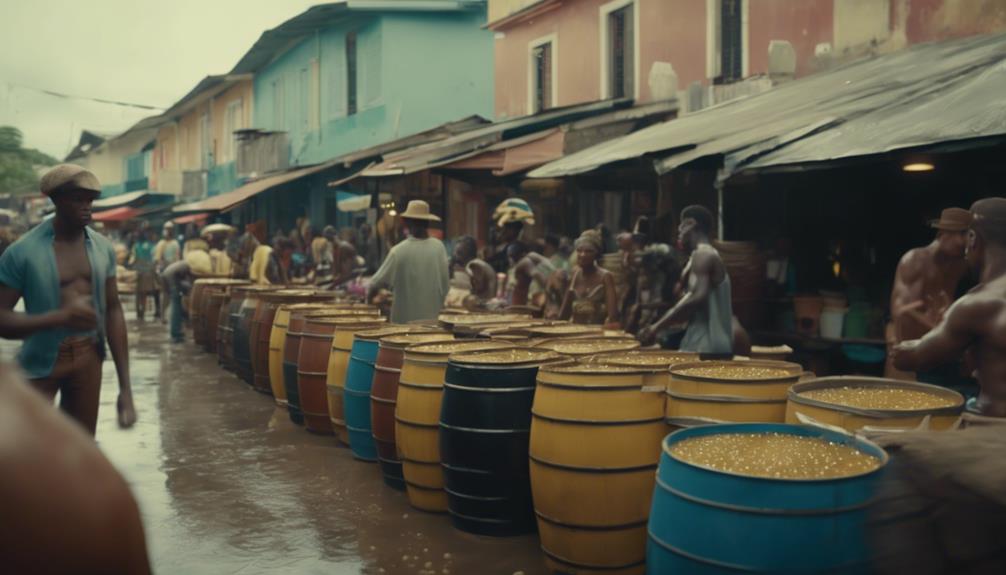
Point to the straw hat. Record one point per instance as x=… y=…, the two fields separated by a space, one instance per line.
x=952 y=220
x=419 y=210
x=216 y=229
x=199 y=263
x=68 y=176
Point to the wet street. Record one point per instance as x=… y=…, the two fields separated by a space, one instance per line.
x=227 y=484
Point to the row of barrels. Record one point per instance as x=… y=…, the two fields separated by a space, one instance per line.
x=506 y=434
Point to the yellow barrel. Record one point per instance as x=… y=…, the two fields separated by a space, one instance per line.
x=730 y=391
x=584 y=347
x=338 y=363
x=277 y=343
x=417 y=418
x=853 y=402
x=595 y=446
x=656 y=363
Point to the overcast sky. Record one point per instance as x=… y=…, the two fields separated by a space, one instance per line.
x=140 y=51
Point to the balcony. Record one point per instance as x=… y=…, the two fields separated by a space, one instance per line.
x=260 y=152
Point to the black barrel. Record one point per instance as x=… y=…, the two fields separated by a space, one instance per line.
x=485 y=427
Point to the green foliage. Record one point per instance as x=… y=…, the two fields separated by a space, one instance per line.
x=17 y=164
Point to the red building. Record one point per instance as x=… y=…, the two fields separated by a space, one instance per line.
x=558 y=52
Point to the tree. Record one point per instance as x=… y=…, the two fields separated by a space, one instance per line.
x=17 y=164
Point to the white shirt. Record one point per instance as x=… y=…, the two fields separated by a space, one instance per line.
x=416 y=271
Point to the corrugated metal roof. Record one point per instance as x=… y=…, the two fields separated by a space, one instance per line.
x=927 y=93
x=231 y=199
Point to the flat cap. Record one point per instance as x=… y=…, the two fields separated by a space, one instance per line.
x=68 y=176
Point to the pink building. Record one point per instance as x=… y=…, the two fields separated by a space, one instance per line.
x=551 y=53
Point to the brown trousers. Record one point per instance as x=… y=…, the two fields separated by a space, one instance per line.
x=77 y=377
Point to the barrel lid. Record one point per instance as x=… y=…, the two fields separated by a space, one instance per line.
x=402 y=341
x=257 y=288
x=394 y=329
x=506 y=357
x=797 y=395
x=589 y=346
x=337 y=312
x=566 y=329
x=481 y=318
x=760 y=371
x=351 y=321
x=221 y=281
x=646 y=358
x=432 y=349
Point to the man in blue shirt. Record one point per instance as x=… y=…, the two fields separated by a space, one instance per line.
x=65 y=272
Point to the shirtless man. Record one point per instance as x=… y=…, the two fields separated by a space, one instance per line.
x=926 y=281
x=529 y=270
x=705 y=304
x=66 y=509
x=976 y=323
x=65 y=272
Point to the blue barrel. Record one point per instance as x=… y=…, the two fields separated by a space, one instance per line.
x=356 y=398
x=704 y=521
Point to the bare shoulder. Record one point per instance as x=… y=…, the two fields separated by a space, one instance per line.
x=984 y=303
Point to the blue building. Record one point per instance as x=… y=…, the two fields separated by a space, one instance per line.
x=350 y=75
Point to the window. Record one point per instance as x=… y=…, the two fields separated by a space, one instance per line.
x=726 y=29
x=541 y=77
x=233 y=121
x=619 y=25
x=351 y=73
x=731 y=46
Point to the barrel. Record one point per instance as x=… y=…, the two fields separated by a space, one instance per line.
x=242 y=330
x=338 y=365
x=384 y=398
x=264 y=320
x=752 y=391
x=291 y=353
x=230 y=342
x=485 y=424
x=196 y=306
x=277 y=346
x=312 y=368
x=359 y=377
x=469 y=325
x=595 y=445
x=417 y=418
x=708 y=521
x=875 y=403
x=566 y=330
x=584 y=347
x=213 y=299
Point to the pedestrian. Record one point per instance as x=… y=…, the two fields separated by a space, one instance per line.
x=550 y=249
x=368 y=248
x=65 y=271
x=705 y=303
x=146 y=274
x=975 y=325
x=591 y=297
x=415 y=269
x=178 y=278
x=510 y=216
x=925 y=283
x=531 y=272
x=166 y=252
x=66 y=508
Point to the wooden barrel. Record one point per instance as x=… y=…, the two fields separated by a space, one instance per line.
x=584 y=347
x=417 y=418
x=730 y=391
x=338 y=365
x=196 y=307
x=384 y=397
x=485 y=424
x=312 y=368
x=874 y=403
x=263 y=326
x=277 y=347
x=359 y=377
x=705 y=520
x=213 y=299
x=242 y=330
x=595 y=445
x=230 y=339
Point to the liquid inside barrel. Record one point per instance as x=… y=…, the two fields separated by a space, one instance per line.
x=485 y=426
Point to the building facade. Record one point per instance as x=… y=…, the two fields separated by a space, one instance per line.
x=551 y=53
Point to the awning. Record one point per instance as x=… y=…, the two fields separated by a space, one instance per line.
x=872 y=106
x=514 y=155
x=350 y=202
x=231 y=199
x=116 y=214
x=191 y=218
x=139 y=197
